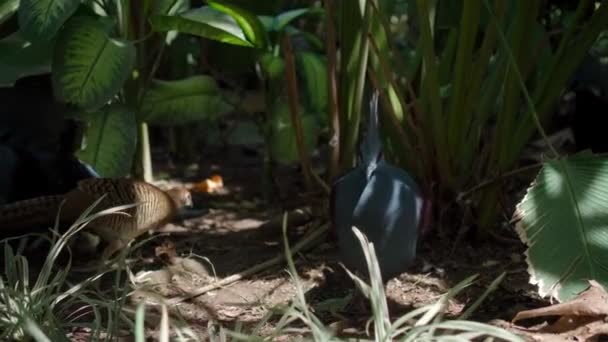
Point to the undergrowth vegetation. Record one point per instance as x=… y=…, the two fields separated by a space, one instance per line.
x=465 y=88
x=44 y=309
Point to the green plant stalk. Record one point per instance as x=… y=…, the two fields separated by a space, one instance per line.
x=446 y=61
x=487 y=94
x=399 y=115
x=517 y=57
x=292 y=99
x=354 y=50
x=549 y=88
x=459 y=119
x=430 y=90
x=513 y=56
x=420 y=167
x=145 y=155
x=567 y=59
x=333 y=109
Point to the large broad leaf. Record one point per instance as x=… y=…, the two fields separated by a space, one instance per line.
x=7 y=9
x=41 y=19
x=563 y=219
x=204 y=22
x=110 y=141
x=179 y=102
x=314 y=74
x=20 y=58
x=248 y=22
x=282 y=134
x=89 y=67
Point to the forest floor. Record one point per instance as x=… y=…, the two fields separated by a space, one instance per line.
x=238 y=231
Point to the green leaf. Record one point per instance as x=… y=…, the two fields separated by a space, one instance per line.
x=180 y=102
x=20 y=58
x=41 y=19
x=110 y=141
x=89 y=67
x=248 y=22
x=563 y=222
x=272 y=65
x=204 y=22
x=7 y=9
x=314 y=73
x=279 y=22
x=170 y=7
x=282 y=136
x=287 y=17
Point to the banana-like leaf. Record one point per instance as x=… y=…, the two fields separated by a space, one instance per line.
x=110 y=141
x=205 y=22
x=180 y=102
x=315 y=80
x=20 y=58
x=283 y=139
x=563 y=219
x=41 y=19
x=89 y=67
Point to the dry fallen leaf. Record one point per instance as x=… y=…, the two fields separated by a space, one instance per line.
x=591 y=302
x=582 y=318
x=209 y=185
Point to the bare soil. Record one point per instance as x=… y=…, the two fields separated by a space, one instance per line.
x=235 y=229
x=241 y=230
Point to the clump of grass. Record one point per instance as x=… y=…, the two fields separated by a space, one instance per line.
x=45 y=308
x=423 y=324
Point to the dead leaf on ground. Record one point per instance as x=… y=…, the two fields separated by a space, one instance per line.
x=210 y=185
x=582 y=318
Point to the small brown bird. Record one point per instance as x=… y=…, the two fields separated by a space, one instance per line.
x=155 y=208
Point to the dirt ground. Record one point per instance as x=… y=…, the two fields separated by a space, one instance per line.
x=234 y=229
x=237 y=230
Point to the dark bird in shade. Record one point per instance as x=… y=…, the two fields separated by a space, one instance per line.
x=382 y=201
x=38 y=142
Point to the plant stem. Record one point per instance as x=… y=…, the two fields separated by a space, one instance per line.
x=520 y=80
x=333 y=110
x=144 y=152
x=292 y=99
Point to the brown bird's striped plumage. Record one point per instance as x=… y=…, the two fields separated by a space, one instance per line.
x=156 y=208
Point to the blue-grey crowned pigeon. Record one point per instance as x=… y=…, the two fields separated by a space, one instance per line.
x=382 y=201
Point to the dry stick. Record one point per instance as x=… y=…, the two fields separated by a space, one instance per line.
x=488 y=182
x=509 y=174
x=301 y=245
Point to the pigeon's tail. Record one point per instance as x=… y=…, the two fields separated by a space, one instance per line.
x=371 y=146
